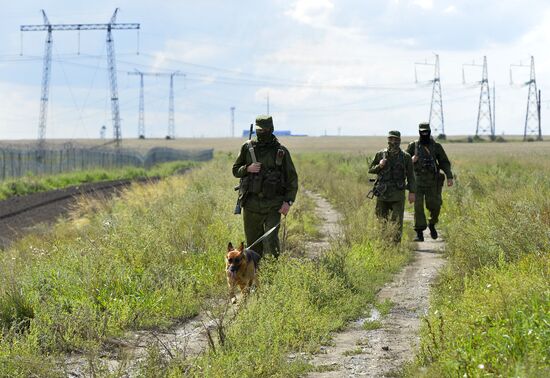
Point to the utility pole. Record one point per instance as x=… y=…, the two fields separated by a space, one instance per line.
x=171 y=119
x=485 y=124
x=532 y=115
x=436 y=119
x=267 y=103
x=232 y=121
x=111 y=60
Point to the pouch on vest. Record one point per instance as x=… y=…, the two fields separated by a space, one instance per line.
x=271 y=184
x=255 y=183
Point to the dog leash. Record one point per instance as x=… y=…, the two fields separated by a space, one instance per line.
x=269 y=232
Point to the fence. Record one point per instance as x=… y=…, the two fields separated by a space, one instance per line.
x=17 y=162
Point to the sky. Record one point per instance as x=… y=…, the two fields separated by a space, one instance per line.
x=328 y=67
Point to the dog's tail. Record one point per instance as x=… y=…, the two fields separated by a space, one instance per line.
x=253 y=256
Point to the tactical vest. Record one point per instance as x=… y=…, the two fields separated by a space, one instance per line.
x=270 y=181
x=426 y=164
x=393 y=175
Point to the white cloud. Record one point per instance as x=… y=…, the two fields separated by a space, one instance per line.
x=451 y=9
x=424 y=4
x=311 y=12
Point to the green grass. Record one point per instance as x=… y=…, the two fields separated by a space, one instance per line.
x=155 y=256
x=145 y=260
x=32 y=184
x=301 y=302
x=491 y=308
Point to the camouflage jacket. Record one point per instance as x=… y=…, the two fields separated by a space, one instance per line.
x=431 y=159
x=397 y=174
x=266 y=154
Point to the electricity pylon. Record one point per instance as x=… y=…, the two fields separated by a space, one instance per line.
x=171 y=119
x=111 y=60
x=532 y=115
x=437 y=122
x=485 y=122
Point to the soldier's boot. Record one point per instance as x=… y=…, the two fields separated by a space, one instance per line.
x=419 y=236
x=433 y=231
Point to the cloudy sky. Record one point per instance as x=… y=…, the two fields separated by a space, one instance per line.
x=328 y=66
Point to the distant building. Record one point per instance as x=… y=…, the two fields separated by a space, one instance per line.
x=285 y=133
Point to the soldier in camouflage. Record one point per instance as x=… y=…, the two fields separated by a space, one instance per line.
x=394 y=171
x=267 y=188
x=428 y=159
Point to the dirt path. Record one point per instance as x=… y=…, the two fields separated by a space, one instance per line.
x=188 y=338
x=330 y=228
x=383 y=351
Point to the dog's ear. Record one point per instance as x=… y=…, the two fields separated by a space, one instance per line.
x=241 y=247
x=229 y=247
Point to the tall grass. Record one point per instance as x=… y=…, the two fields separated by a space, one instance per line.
x=155 y=256
x=32 y=183
x=491 y=308
x=301 y=302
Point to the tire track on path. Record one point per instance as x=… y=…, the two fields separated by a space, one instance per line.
x=381 y=352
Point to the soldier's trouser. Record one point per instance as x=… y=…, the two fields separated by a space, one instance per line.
x=256 y=224
x=393 y=211
x=432 y=197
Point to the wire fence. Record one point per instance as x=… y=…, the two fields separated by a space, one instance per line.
x=17 y=161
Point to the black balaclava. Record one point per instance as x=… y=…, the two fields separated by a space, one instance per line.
x=425 y=136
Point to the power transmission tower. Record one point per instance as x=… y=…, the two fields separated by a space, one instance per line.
x=111 y=60
x=171 y=119
x=141 y=116
x=532 y=116
x=436 y=120
x=485 y=123
x=232 y=121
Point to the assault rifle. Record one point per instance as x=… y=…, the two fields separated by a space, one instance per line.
x=237 y=210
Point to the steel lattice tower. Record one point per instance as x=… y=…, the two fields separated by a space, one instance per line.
x=141 y=116
x=171 y=119
x=532 y=116
x=46 y=73
x=171 y=122
x=485 y=123
x=437 y=121
x=111 y=59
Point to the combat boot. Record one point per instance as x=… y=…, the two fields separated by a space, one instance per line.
x=419 y=236
x=433 y=231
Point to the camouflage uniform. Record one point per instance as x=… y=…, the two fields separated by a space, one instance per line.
x=396 y=176
x=262 y=194
x=429 y=179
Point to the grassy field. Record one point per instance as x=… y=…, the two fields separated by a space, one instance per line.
x=491 y=307
x=329 y=144
x=156 y=256
x=33 y=184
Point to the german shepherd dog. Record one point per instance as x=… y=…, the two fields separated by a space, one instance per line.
x=241 y=266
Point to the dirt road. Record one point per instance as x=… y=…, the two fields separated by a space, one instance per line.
x=381 y=352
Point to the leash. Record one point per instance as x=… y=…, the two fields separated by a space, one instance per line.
x=261 y=238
